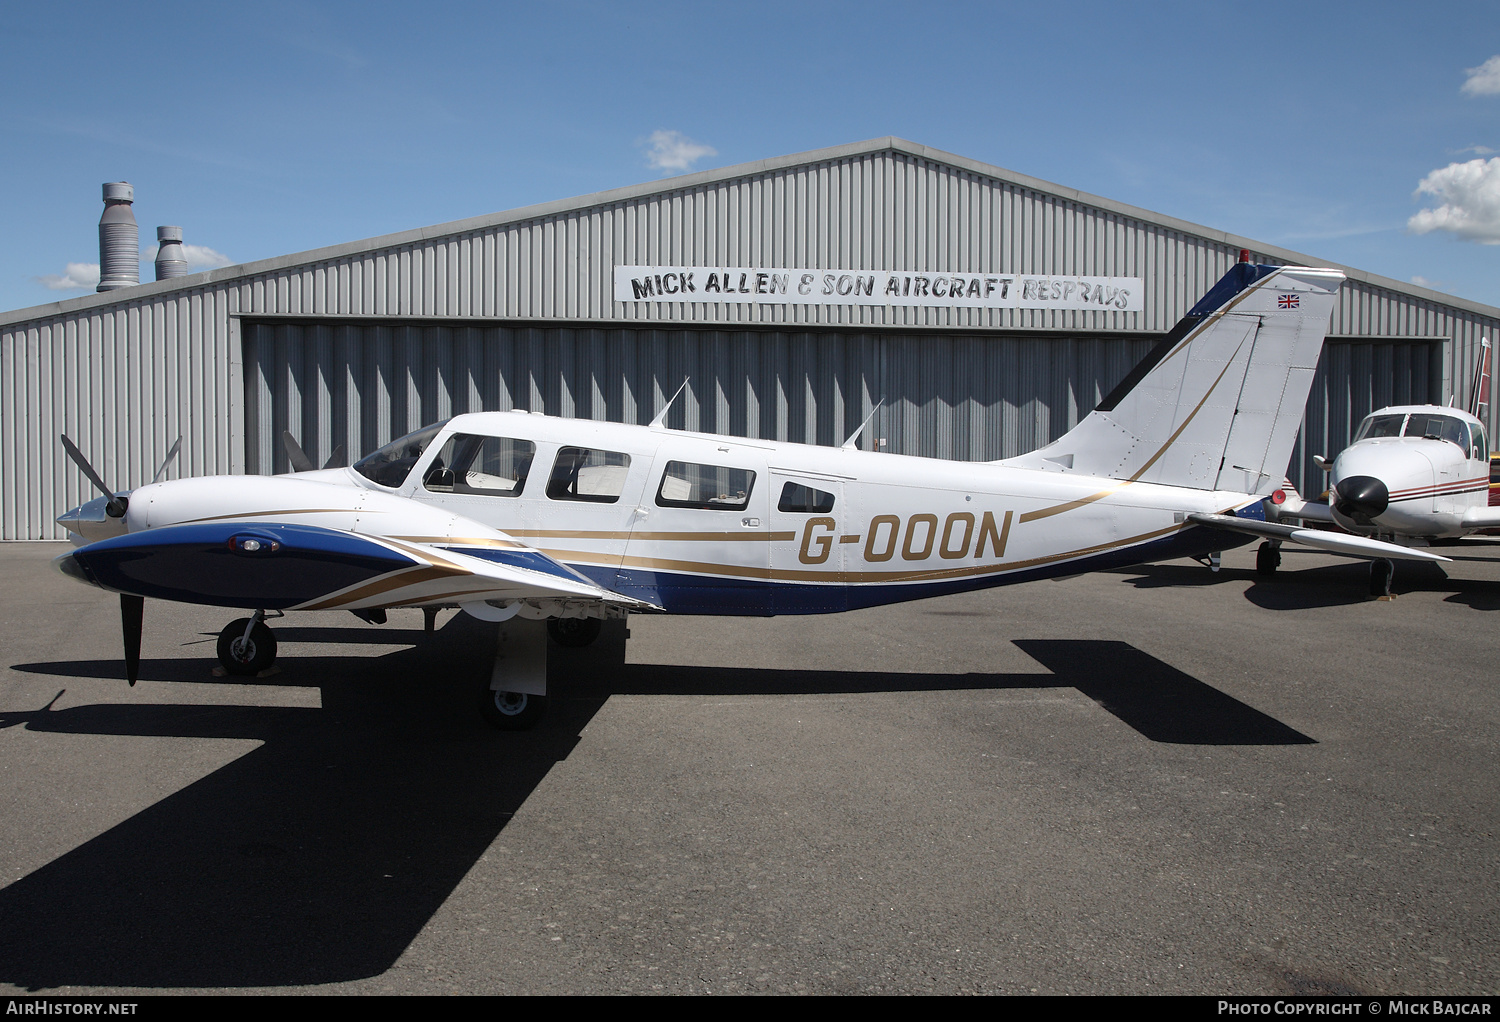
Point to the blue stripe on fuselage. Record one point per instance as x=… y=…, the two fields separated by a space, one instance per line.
x=679 y=593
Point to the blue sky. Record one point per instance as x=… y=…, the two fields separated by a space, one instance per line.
x=272 y=128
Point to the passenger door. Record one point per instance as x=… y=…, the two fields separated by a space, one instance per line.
x=699 y=541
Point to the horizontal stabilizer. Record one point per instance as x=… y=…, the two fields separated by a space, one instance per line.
x=1333 y=542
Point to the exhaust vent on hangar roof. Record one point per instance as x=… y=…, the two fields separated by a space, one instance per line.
x=171 y=260
x=119 y=239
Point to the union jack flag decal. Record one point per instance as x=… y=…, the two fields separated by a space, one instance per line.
x=1288 y=301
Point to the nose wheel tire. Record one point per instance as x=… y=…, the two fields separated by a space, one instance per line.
x=576 y=632
x=246 y=656
x=512 y=711
x=1381 y=572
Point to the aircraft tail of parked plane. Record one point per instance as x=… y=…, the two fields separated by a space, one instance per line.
x=1216 y=405
x=1479 y=384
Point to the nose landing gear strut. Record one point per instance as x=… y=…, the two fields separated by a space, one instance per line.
x=247 y=646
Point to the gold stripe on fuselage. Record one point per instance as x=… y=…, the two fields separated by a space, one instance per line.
x=252 y=515
x=385 y=584
x=748 y=536
x=784 y=575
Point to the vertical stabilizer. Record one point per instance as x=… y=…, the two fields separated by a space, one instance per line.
x=1217 y=404
x=1479 y=386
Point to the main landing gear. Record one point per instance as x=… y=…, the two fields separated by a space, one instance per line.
x=574 y=632
x=1381 y=573
x=247 y=646
x=512 y=711
x=516 y=696
x=1268 y=558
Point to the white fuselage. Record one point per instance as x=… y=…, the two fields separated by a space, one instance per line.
x=898 y=527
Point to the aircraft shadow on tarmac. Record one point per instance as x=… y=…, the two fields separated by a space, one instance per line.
x=1326 y=585
x=320 y=855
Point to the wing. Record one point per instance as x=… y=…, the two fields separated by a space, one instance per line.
x=279 y=566
x=1333 y=542
x=1482 y=518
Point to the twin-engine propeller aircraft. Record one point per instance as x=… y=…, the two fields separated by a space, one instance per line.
x=1414 y=475
x=525 y=519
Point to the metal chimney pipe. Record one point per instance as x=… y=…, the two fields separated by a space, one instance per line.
x=171 y=260
x=119 y=239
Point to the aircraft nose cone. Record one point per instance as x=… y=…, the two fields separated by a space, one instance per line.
x=1361 y=498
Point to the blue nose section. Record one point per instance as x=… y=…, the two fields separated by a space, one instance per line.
x=1361 y=498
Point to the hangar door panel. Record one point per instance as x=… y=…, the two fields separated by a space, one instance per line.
x=1355 y=377
x=976 y=397
x=343 y=389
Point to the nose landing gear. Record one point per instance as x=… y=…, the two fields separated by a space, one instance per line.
x=247 y=646
x=1381 y=573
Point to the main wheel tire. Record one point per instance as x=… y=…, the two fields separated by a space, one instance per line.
x=512 y=711
x=246 y=656
x=576 y=632
x=1381 y=573
x=1267 y=559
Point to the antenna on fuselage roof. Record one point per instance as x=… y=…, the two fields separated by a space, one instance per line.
x=848 y=445
x=661 y=417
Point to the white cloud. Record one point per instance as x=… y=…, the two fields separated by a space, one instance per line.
x=672 y=150
x=1469 y=194
x=1483 y=80
x=199 y=257
x=1436 y=285
x=73 y=277
x=1477 y=150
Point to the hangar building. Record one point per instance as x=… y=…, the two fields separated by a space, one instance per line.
x=350 y=346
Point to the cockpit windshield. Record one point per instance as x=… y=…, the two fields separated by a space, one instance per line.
x=1439 y=427
x=1421 y=425
x=391 y=464
x=1381 y=425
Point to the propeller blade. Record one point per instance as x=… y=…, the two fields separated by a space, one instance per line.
x=335 y=460
x=167 y=461
x=298 y=458
x=131 y=611
x=117 y=504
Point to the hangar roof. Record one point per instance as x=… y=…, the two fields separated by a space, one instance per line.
x=707 y=177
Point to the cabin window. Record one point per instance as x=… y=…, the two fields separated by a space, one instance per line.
x=799 y=499
x=390 y=465
x=1480 y=447
x=494 y=466
x=1381 y=425
x=709 y=487
x=580 y=473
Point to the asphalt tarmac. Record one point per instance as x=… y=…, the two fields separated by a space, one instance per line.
x=1153 y=780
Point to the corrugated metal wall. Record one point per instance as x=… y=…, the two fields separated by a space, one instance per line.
x=123 y=381
x=1354 y=378
x=130 y=370
x=969 y=397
